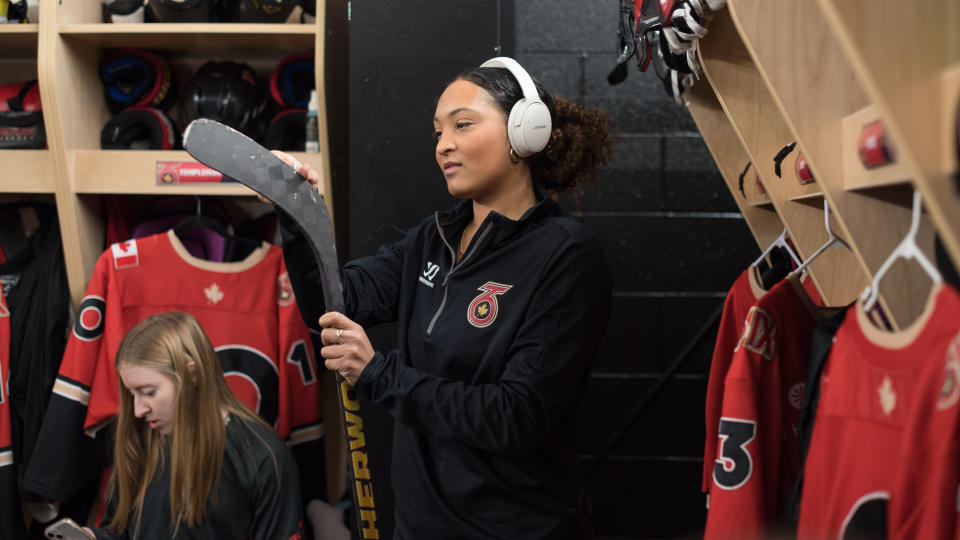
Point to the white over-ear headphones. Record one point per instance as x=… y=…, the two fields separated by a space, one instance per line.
x=528 y=125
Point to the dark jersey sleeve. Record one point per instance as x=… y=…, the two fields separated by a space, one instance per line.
x=546 y=368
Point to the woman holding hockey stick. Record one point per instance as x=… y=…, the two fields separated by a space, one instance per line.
x=190 y=459
x=501 y=303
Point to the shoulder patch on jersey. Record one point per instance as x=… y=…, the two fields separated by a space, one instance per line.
x=950 y=389
x=125 y=254
x=484 y=307
x=88 y=325
x=284 y=290
x=759 y=333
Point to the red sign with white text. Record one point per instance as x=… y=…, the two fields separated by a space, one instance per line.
x=170 y=173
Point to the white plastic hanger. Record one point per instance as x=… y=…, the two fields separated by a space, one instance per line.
x=781 y=241
x=906 y=249
x=830 y=241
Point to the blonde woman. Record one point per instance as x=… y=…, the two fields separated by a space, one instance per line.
x=191 y=460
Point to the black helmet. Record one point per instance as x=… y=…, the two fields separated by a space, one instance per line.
x=123 y=11
x=178 y=11
x=228 y=92
x=264 y=11
x=139 y=128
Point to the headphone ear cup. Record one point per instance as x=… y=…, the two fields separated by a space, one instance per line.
x=529 y=127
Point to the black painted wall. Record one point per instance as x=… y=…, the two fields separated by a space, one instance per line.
x=670 y=227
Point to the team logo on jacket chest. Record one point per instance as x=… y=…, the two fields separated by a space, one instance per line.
x=484 y=308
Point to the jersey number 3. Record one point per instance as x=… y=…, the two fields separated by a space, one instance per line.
x=735 y=465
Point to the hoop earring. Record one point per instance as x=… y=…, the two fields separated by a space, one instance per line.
x=514 y=158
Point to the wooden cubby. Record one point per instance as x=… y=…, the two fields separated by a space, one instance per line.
x=63 y=51
x=816 y=71
x=71 y=42
x=22 y=171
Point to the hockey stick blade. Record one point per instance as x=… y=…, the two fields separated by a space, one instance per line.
x=234 y=154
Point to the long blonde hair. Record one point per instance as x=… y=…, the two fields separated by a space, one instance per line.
x=169 y=342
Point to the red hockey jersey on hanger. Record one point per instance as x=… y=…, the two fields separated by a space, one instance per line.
x=923 y=503
x=758 y=451
x=248 y=310
x=868 y=390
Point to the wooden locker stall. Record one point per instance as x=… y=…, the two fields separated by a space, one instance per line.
x=814 y=72
x=63 y=51
x=72 y=40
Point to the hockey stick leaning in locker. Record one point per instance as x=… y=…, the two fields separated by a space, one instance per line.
x=234 y=154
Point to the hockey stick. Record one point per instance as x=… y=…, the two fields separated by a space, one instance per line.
x=234 y=154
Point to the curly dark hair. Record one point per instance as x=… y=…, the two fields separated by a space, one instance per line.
x=581 y=140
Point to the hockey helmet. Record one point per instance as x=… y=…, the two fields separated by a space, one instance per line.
x=139 y=128
x=264 y=11
x=181 y=11
x=123 y=11
x=228 y=92
x=137 y=78
x=292 y=80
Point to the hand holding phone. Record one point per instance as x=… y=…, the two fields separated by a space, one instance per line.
x=67 y=529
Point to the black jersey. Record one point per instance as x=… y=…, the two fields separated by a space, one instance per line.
x=34 y=308
x=258 y=495
x=35 y=286
x=494 y=354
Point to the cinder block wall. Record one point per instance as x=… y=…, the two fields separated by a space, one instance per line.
x=676 y=241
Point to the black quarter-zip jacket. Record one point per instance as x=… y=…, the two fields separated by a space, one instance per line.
x=493 y=357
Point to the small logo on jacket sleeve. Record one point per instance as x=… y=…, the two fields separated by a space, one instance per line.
x=483 y=309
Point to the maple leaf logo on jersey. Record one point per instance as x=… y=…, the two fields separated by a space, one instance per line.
x=888 y=398
x=214 y=294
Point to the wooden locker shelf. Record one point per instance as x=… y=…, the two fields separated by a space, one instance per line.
x=26 y=171
x=17 y=39
x=210 y=39
x=816 y=88
x=133 y=172
x=813 y=195
x=725 y=147
x=761 y=128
